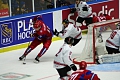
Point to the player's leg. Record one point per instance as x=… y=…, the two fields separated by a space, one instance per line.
x=76 y=41
x=79 y=21
x=110 y=50
x=63 y=73
x=33 y=45
x=46 y=45
x=88 y=21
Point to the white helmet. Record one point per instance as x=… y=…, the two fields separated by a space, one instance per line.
x=118 y=25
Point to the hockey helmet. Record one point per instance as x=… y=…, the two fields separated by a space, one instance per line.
x=69 y=40
x=82 y=65
x=37 y=25
x=118 y=25
x=65 y=21
x=37 y=18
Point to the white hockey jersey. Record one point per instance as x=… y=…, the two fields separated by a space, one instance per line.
x=80 y=11
x=63 y=57
x=72 y=31
x=114 y=40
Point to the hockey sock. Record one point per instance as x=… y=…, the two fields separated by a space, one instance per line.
x=28 y=50
x=42 y=52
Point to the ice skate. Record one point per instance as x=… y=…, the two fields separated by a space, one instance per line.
x=21 y=58
x=36 y=60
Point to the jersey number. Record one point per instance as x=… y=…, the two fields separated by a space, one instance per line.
x=74 y=76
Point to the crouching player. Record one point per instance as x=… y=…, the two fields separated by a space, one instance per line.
x=42 y=35
x=112 y=47
x=63 y=62
x=83 y=74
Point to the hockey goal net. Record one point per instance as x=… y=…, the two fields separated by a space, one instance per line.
x=93 y=44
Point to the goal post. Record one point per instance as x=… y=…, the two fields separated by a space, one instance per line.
x=93 y=45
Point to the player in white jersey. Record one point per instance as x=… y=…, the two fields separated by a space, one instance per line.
x=69 y=29
x=113 y=42
x=84 y=12
x=112 y=47
x=62 y=60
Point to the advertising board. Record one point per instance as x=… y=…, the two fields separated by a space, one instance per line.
x=110 y=7
x=17 y=31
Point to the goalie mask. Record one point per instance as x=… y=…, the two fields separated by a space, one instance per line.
x=118 y=26
x=69 y=40
x=83 y=65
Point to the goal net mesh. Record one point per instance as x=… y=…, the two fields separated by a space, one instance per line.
x=93 y=44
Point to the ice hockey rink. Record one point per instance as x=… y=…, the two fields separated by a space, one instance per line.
x=13 y=69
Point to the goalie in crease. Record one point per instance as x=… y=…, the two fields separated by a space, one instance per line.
x=112 y=47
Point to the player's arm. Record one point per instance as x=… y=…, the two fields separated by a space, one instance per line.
x=42 y=34
x=34 y=35
x=73 y=10
x=65 y=34
x=95 y=77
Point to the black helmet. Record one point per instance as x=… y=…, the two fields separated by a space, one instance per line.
x=65 y=21
x=69 y=40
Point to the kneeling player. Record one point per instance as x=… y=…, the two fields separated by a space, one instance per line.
x=63 y=62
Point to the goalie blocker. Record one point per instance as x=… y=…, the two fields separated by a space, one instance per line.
x=109 y=58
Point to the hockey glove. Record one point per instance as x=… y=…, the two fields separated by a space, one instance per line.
x=61 y=31
x=40 y=37
x=85 y=8
x=33 y=35
x=55 y=32
x=72 y=10
x=74 y=68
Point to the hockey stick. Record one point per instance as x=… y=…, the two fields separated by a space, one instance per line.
x=24 y=59
x=24 y=62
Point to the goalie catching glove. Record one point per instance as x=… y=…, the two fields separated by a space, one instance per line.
x=55 y=32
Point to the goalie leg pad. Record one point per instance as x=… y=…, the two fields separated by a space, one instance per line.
x=109 y=58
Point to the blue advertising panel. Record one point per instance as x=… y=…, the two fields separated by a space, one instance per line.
x=17 y=31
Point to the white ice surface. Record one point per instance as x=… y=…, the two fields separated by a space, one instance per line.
x=44 y=70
